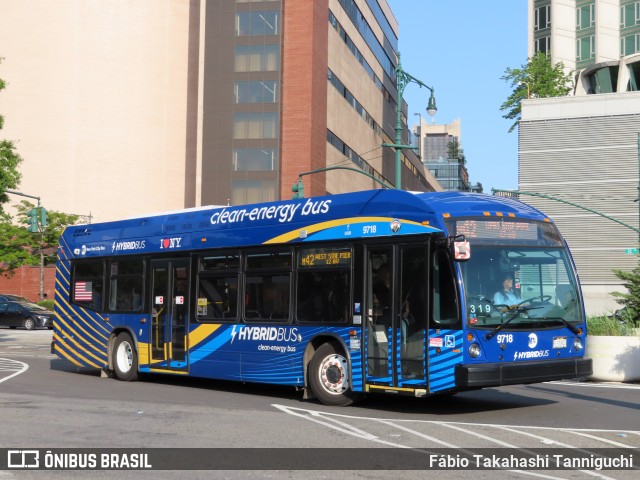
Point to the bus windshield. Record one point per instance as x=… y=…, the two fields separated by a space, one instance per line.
x=531 y=287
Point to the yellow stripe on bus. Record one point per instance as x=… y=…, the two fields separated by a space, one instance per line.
x=86 y=319
x=143 y=353
x=76 y=323
x=383 y=387
x=165 y=370
x=60 y=342
x=99 y=359
x=199 y=334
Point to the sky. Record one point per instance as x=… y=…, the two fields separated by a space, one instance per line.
x=461 y=48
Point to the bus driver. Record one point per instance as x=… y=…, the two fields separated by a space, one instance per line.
x=506 y=296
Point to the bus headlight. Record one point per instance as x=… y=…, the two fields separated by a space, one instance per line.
x=474 y=350
x=577 y=344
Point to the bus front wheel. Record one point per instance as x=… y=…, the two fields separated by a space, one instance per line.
x=329 y=376
x=125 y=358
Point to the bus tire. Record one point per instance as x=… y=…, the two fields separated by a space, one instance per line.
x=125 y=358
x=329 y=376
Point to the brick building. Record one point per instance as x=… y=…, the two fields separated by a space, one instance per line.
x=25 y=281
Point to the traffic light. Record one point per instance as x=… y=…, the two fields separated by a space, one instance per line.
x=33 y=220
x=297 y=189
x=43 y=217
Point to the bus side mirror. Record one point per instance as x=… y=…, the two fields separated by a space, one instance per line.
x=460 y=248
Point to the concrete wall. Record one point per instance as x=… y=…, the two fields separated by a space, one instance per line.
x=96 y=102
x=585 y=150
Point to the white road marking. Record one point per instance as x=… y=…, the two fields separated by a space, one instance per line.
x=7 y=365
x=313 y=415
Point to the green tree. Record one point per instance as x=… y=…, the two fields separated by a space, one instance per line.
x=20 y=247
x=9 y=161
x=537 y=78
x=630 y=300
x=455 y=151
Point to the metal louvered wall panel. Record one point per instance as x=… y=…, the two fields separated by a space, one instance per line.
x=593 y=162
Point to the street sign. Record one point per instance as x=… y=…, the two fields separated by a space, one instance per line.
x=632 y=251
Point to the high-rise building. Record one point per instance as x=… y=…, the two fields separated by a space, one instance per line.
x=128 y=107
x=442 y=154
x=584 y=33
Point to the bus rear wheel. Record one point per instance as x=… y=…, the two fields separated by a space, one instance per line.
x=329 y=376
x=125 y=358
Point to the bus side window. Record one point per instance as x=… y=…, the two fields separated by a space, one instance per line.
x=126 y=282
x=88 y=284
x=268 y=286
x=445 y=301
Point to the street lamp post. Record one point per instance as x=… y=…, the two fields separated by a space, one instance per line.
x=419 y=115
x=403 y=79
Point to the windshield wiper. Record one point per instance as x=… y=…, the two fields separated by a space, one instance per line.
x=518 y=310
x=569 y=325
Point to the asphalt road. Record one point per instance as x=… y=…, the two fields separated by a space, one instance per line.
x=48 y=403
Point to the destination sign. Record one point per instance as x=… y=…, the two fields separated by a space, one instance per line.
x=324 y=257
x=526 y=231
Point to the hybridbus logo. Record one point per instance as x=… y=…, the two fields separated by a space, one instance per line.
x=273 y=334
x=130 y=245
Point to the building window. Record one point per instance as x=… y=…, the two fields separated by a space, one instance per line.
x=542 y=18
x=604 y=80
x=252 y=125
x=630 y=15
x=634 y=77
x=257 y=23
x=261 y=91
x=585 y=16
x=257 y=58
x=252 y=191
x=543 y=44
x=255 y=159
x=586 y=48
x=630 y=44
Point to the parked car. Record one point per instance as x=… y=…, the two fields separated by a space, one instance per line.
x=25 y=314
x=10 y=297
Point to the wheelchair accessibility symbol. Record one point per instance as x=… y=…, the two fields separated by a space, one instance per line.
x=450 y=341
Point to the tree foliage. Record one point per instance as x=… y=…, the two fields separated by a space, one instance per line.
x=20 y=247
x=9 y=161
x=538 y=78
x=455 y=151
x=630 y=300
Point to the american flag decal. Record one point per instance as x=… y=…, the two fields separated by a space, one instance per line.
x=82 y=292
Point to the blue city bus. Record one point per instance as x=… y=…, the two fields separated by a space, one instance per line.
x=343 y=295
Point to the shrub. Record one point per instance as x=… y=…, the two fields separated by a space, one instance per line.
x=604 y=325
x=48 y=304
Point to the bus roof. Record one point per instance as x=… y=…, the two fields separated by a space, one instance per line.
x=337 y=217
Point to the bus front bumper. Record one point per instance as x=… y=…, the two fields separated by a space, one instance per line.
x=496 y=374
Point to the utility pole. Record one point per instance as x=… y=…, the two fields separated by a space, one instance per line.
x=37 y=222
